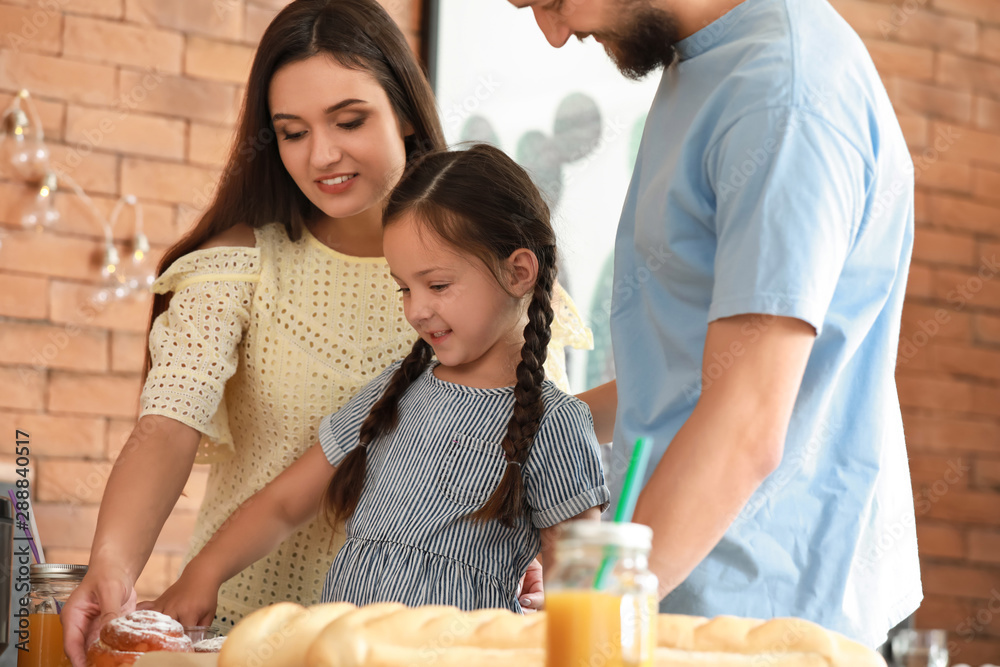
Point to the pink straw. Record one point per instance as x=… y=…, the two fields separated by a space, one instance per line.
x=23 y=525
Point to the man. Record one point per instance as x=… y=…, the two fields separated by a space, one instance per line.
x=760 y=270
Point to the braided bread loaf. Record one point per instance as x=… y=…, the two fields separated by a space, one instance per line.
x=390 y=635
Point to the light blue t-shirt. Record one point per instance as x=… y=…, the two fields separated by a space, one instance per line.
x=773 y=178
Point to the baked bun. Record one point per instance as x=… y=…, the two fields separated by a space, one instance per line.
x=125 y=638
x=278 y=635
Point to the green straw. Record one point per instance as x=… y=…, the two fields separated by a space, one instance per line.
x=630 y=494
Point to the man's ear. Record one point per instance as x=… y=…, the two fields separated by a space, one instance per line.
x=522 y=266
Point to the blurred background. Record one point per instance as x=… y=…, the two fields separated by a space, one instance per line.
x=137 y=100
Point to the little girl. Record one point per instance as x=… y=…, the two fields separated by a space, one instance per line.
x=453 y=465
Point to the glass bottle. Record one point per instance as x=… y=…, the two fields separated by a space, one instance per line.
x=601 y=599
x=51 y=585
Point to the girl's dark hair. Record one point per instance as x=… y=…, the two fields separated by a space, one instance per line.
x=479 y=201
x=255 y=188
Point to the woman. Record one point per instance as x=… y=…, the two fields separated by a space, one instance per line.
x=280 y=305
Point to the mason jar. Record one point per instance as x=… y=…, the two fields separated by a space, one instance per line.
x=601 y=600
x=51 y=585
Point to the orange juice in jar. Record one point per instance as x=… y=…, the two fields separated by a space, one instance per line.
x=601 y=599
x=51 y=585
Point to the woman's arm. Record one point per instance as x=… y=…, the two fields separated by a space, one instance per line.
x=603 y=403
x=256 y=527
x=143 y=488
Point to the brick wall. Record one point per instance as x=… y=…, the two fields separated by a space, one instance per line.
x=136 y=97
x=139 y=96
x=940 y=60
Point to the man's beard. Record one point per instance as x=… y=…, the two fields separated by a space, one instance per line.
x=645 y=43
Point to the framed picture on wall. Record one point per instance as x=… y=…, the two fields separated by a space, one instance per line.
x=567 y=115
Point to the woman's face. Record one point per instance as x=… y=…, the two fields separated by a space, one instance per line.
x=337 y=135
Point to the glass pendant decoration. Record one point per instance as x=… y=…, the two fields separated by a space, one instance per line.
x=41 y=212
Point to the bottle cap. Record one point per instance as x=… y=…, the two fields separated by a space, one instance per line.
x=57 y=571
x=625 y=535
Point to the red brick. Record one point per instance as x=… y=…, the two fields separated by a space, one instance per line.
x=65 y=526
x=950 y=434
x=155 y=577
x=968 y=73
x=122 y=44
x=83 y=393
x=217 y=19
x=920 y=281
x=964 y=506
x=57 y=77
x=941 y=175
x=989 y=43
x=983 y=10
x=979 y=651
x=915 y=129
x=77 y=556
x=940 y=540
x=22 y=388
x=176 y=533
x=73 y=482
x=94 y=172
x=987 y=474
x=986 y=400
x=987 y=114
x=923 y=392
x=942 y=247
x=868 y=19
x=209 y=144
x=78 y=219
x=928 y=469
x=966 y=289
x=209 y=101
x=965 y=360
x=942 y=612
x=23 y=296
x=984 y=546
x=932 y=101
x=51 y=113
x=928 y=29
x=106 y=8
x=987 y=328
x=968 y=144
x=987 y=184
x=950 y=580
x=53 y=436
x=921 y=209
x=73 y=303
x=128 y=352
x=31 y=29
x=168 y=181
x=256 y=22
x=963 y=213
x=126 y=132
x=940 y=322
x=218 y=61
x=45 y=253
x=53 y=346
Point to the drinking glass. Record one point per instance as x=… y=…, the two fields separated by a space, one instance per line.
x=920 y=648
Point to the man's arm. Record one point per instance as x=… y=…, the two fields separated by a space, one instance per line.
x=603 y=403
x=728 y=446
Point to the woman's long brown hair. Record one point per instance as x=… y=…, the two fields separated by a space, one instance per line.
x=255 y=188
x=481 y=203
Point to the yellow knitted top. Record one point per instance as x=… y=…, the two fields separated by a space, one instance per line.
x=256 y=346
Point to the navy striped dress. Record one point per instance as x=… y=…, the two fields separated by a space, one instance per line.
x=409 y=540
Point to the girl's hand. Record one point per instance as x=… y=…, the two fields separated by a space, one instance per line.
x=192 y=600
x=101 y=596
x=530 y=592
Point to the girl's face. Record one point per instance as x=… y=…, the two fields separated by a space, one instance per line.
x=456 y=305
x=337 y=135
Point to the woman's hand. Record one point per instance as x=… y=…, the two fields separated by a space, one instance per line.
x=192 y=600
x=530 y=592
x=100 y=597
